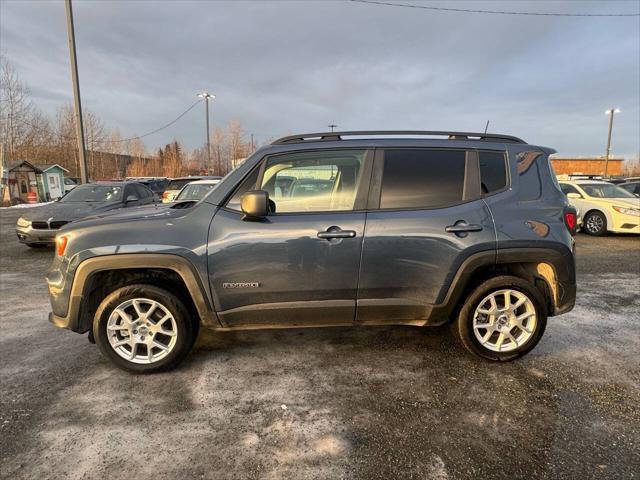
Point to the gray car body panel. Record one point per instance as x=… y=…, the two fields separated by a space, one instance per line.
x=402 y=267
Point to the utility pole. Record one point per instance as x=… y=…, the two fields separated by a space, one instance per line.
x=332 y=126
x=207 y=96
x=76 y=92
x=252 y=147
x=486 y=127
x=611 y=112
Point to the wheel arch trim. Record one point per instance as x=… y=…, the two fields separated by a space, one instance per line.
x=181 y=266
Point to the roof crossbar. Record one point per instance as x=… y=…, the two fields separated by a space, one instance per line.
x=333 y=136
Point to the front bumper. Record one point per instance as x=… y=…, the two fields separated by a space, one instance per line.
x=629 y=224
x=36 y=235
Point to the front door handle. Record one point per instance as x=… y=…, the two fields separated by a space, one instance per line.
x=463 y=227
x=336 y=232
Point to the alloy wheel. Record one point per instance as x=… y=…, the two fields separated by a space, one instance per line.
x=142 y=331
x=504 y=320
x=594 y=224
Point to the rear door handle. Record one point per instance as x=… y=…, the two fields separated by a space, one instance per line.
x=463 y=227
x=336 y=232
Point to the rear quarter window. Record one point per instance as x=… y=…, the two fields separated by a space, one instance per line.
x=493 y=172
x=530 y=182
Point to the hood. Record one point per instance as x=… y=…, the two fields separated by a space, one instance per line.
x=145 y=212
x=67 y=211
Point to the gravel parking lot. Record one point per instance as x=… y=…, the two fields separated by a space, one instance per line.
x=392 y=402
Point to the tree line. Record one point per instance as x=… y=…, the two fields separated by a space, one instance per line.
x=27 y=133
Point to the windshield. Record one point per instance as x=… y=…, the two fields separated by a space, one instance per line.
x=194 y=191
x=94 y=193
x=605 y=190
x=178 y=184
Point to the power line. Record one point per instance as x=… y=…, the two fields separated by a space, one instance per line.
x=100 y=142
x=494 y=12
x=153 y=131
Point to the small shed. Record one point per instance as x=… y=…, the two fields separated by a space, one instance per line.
x=47 y=181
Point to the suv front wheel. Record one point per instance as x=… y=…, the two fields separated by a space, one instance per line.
x=143 y=329
x=502 y=319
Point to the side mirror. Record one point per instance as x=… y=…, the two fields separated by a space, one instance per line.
x=255 y=204
x=573 y=195
x=131 y=198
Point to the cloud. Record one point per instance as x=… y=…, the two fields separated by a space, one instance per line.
x=290 y=66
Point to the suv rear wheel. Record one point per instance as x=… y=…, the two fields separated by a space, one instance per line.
x=143 y=329
x=502 y=319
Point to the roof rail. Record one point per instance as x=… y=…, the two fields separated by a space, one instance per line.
x=333 y=136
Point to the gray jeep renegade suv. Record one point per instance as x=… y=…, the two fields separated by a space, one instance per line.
x=350 y=228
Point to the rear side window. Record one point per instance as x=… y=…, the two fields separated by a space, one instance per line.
x=493 y=171
x=178 y=184
x=422 y=178
x=566 y=188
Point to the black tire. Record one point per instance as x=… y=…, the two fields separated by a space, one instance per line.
x=598 y=225
x=463 y=326
x=185 y=327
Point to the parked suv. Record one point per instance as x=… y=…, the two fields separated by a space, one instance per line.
x=351 y=228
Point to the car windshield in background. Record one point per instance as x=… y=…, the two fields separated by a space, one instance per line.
x=603 y=190
x=179 y=184
x=93 y=193
x=194 y=192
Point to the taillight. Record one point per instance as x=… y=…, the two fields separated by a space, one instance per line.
x=61 y=244
x=571 y=219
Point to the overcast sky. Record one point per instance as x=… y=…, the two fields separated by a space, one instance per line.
x=293 y=66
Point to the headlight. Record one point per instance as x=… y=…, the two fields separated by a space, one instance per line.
x=627 y=211
x=22 y=222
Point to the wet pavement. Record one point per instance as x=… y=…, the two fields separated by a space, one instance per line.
x=388 y=402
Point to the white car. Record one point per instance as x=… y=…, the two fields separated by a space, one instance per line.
x=604 y=207
x=195 y=191
x=177 y=184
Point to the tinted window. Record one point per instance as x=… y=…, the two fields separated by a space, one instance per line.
x=529 y=185
x=143 y=192
x=493 y=171
x=178 y=184
x=631 y=187
x=422 y=178
x=566 y=188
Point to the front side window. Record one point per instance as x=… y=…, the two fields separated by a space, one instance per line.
x=493 y=171
x=631 y=187
x=605 y=190
x=313 y=181
x=422 y=178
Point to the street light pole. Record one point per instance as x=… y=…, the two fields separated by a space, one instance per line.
x=207 y=96
x=611 y=112
x=76 y=93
